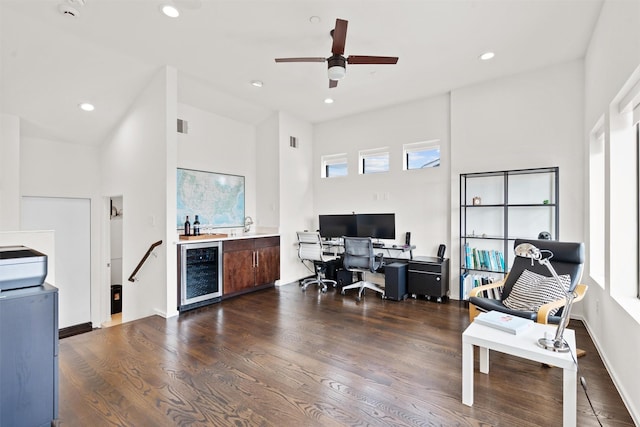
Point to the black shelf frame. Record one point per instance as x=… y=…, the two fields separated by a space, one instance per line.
x=506 y=238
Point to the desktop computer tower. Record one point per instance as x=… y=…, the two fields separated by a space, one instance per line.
x=331 y=268
x=343 y=278
x=395 y=281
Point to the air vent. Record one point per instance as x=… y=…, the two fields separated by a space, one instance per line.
x=293 y=142
x=183 y=126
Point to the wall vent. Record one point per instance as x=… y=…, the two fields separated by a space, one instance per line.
x=293 y=142
x=183 y=126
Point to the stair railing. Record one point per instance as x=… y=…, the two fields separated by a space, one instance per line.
x=132 y=278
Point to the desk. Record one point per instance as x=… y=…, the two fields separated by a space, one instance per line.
x=335 y=245
x=523 y=345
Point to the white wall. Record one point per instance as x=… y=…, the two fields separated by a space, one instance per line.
x=612 y=56
x=218 y=144
x=135 y=164
x=525 y=121
x=60 y=169
x=268 y=169
x=419 y=198
x=296 y=193
x=9 y=172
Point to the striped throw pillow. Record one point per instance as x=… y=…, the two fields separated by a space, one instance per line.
x=532 y=290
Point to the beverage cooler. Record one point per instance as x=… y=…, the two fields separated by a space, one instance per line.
x=200 y=274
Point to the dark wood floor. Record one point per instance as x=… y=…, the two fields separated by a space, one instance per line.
x=282 y=357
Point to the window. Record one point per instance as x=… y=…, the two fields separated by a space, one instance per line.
x=334 y=165
x=637 y=121
x=597 y=204
x=374 y=161
x=623 y=232
x=421 y=155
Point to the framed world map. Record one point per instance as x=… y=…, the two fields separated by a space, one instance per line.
x=217 y=198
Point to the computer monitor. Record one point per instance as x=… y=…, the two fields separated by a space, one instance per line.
x=334 y=226
x=377 y=226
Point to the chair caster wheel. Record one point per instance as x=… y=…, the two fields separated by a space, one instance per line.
x=304 y=289
x=342 y=292
x=324 y=291
x=358 y=299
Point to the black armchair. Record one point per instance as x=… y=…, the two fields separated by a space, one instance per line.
x=568 y=259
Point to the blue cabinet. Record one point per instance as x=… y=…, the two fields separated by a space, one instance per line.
x=29 y=356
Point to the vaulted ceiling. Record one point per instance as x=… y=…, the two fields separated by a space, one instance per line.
x=51 y=61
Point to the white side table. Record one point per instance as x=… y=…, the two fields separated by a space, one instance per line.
x=524 y=345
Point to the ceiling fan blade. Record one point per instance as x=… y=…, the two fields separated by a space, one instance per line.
x=339 y=34
x=333 y=83
x=309 y=59
x=355 y=59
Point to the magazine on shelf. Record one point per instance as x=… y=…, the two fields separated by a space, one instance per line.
x=504 y=322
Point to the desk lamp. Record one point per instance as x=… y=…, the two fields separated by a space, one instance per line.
x=527 y=250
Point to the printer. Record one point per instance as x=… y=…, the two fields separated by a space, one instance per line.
x=21 y=267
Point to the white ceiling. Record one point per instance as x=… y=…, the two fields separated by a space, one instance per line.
x=51 y=62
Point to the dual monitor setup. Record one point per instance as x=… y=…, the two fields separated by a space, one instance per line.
x=376 y=226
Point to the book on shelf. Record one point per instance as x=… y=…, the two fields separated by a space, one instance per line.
x=469 y=281
x=504 y=322
x=483 y=259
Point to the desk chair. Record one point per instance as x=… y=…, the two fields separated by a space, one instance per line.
x=310 y=249
x=359 y=257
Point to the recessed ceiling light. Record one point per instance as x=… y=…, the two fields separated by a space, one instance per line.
x=328 y=101
x=314 y=19
x=85 y=106
x=256 y=83
x=487 y=55
x=170 y=11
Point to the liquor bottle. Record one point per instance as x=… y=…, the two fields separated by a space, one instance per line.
x=196 y=227
x=187 y=227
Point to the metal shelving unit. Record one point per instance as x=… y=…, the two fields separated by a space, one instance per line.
x=498 y=207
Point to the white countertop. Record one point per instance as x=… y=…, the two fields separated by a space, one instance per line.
x=228 y=237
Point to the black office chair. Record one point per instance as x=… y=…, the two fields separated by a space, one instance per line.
x=359 y=257
x=310 y=249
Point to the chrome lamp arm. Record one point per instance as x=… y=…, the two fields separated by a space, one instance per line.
x=558 y=343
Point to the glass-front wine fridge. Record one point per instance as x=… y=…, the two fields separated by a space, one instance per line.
x=200 y=274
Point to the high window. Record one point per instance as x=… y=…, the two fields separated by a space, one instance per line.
x=374 y=161
x=421 y=155
x=334 y=165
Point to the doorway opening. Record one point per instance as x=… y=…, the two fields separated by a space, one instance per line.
x=115 y=261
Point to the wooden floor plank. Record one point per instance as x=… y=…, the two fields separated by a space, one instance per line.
x=282 y=357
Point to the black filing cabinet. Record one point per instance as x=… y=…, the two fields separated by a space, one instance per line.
x=429 y=276
x=29 y=356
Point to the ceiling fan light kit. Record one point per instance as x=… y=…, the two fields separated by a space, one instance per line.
x=337 y=67
x=337 y=63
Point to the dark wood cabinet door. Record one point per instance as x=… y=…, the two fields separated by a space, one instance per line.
x=239 y=273
x=268 y=268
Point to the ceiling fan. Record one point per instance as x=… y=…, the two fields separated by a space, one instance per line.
x=337 y=63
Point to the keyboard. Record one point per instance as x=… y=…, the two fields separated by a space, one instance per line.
x=378 y=245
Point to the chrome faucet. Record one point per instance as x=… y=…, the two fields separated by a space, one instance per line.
x=248 y=221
